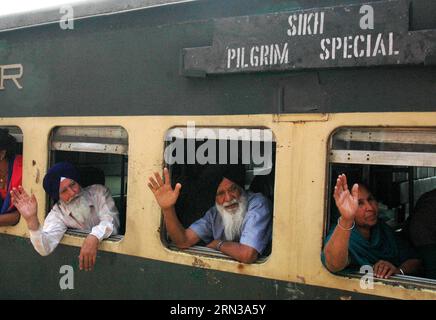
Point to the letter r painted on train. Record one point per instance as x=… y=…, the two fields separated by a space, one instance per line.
x=6 y=74
x=67 y=280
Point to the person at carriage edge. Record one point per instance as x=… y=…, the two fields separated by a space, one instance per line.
x=91 y=209
x=239 y=224
x=11 y=167
x=422 y=231
x=359 y=238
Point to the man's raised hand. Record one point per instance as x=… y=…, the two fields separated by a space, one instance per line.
x=25 y=204
x=165 y=195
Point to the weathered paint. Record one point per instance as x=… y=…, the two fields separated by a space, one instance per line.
x=129 y=64
x=326 y=37
x=26 y=275
x=298 y=224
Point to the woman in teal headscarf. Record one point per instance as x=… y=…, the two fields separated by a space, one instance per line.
x=359 y=238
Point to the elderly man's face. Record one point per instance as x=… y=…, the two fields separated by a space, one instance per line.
x=231 y=203
x=227 y=192
x=68 y=190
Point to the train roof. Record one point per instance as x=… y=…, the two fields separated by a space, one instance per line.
x=82 y=10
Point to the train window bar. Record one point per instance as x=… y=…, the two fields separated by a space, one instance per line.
x=228 y=133
x=82 y=234
x=396 y=280
x=90 y=139
x=418 y=159
x=401 y=136
x=400 y=147
x=205 y=251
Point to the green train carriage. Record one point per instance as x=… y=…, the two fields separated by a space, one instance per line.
x=337 y=92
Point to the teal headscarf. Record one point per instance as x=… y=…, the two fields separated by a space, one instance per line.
x=382 y=245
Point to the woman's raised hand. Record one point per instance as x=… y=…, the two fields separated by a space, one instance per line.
x=346 y=201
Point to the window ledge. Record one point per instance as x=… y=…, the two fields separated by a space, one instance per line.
x=409 y=282
x=207 y=252
x=83 y=234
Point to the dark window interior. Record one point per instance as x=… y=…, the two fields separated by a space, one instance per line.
x=109 y=170
x=18 y=135
x=100 y=154
x=398 y=166
x=198 y=195
x=396 y=188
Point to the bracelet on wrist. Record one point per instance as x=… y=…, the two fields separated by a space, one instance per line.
x=343 y=228
x=402 y=272
x=218 y=246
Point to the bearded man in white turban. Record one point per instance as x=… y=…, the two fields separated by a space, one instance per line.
x=239 y=224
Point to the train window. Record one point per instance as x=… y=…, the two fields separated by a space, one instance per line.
x=101 y=156
x=15 y=132
x=195 y=155
x=398 y=166
x=11 y=175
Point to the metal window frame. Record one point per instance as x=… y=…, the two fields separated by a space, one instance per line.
x=407 y=281
x=182 y=133
x=385 y=135
x=422 y=136
x=425 y=136
x=97 y=139
x=414 y=159
x=207 y=252
x=93 y=139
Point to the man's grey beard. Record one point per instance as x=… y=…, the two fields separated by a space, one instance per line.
x=233 y=219
x=79 y=208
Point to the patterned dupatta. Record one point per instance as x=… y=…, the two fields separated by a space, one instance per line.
x=15 y=170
